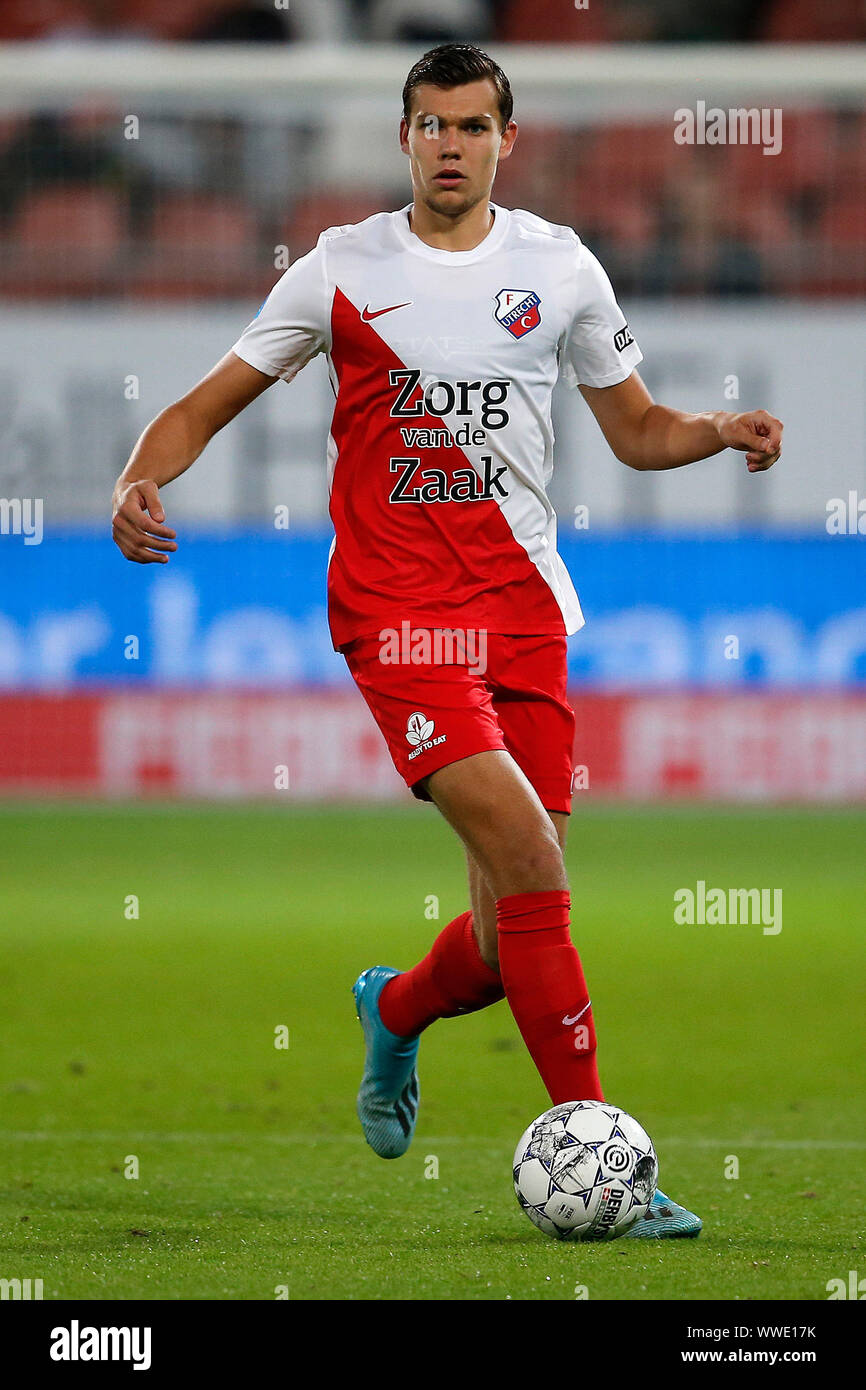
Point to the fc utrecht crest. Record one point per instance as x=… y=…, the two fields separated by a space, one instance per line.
x=517 y=310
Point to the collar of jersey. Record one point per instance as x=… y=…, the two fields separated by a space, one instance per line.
x=491 y=242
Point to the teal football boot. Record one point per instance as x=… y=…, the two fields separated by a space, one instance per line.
x=665 y=1220
x=388 y=1099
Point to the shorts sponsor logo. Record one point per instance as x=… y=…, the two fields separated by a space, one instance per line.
x=518 y=311
x=419 y=730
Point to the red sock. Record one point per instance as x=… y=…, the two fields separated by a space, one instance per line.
x=451 y=980
x=547 y=993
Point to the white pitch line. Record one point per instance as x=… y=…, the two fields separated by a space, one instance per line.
x=204 y=1137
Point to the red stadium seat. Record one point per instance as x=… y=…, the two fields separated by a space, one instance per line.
x=834 y=262
x=173 y=19
x=85 y=218
x=625 y=219
x=762 y=220
x=544 y=160
x=65 y=240
x=801 y=164
x=554 y=21
x=160 y=19
x=845 y=155
x=329 y=209
x=34 y=19
x=202 y=224
x=845 y=221
x=199 y=245
x=638 y=155
x=804 y=21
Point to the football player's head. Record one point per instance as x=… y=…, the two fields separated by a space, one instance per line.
x=456 y=126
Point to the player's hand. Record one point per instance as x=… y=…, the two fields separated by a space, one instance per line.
x=757 y=434
x=138 y=524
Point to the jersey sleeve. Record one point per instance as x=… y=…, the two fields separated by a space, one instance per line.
x=599 y=349
x=293 y=324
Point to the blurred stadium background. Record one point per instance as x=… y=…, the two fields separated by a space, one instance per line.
x=160 y=163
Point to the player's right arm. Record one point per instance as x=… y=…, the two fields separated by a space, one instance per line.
x=169 y=445
x=291 y=327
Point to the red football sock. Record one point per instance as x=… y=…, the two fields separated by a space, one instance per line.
x=547 y=993
x=451 y=980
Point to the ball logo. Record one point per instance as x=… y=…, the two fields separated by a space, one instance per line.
x=518 y=311
x=611 y=1202
x=616 y=1158
x=418 y=728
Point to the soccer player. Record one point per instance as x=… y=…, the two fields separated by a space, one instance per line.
x=445 y=326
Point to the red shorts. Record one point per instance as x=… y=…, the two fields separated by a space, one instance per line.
x=435 y=712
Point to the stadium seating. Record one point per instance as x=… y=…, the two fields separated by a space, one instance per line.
x=803 y=21
x=199 y=244
x=516 y=21
x=328 y=208
x=552 y=21
x=65 y=240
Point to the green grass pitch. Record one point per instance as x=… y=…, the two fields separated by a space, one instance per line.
x=148 y=1043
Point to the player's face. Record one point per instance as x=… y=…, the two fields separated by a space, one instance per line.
x=454 y=141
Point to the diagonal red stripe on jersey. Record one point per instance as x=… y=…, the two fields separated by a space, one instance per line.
x=437 y=564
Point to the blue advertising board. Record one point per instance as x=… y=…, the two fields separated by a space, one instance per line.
x=243 y=607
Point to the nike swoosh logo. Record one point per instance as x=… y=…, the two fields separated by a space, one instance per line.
x=368 y=317
x=569 y=1020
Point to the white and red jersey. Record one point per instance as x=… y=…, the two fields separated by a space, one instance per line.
x=440 y=451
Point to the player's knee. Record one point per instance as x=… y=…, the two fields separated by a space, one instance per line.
x=535 y=865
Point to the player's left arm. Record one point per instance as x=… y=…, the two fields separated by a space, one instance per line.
x=647 y=436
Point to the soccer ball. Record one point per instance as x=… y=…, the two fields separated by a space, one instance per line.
x=585 y=1171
